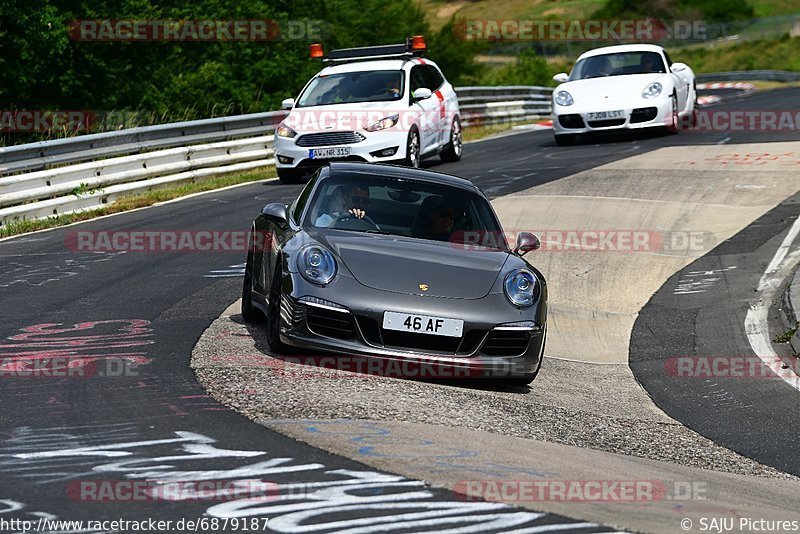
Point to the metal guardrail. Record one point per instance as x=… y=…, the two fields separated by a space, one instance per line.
x=89 y=171
x=495 y=105
x=750 y=75
x=46 y=154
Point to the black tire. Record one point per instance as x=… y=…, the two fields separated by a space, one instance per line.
x=250 y=313
x=277 y=346
x=695 y=109
x=674 y=124
x=565 y=139
x=452 y=151
x=412 y=150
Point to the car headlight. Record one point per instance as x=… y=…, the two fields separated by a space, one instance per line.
x=521 y=288
x=316 y=264
x=284 y=131
x=563 y=98
x=652 y=90
x=386 y=122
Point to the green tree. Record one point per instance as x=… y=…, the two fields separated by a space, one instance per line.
x=455 y=55
x=529 y=69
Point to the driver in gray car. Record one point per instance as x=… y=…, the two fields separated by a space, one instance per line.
x=338 y=205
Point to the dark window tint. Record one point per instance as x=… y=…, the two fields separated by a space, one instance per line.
x=619 y=64
x=423 y=210
x=351 y=87
x=300 y=203
x=417 y=78
x=433 y=78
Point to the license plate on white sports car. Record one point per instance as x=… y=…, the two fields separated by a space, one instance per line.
x=423 y=324
x=338 y=152
x=600 y=115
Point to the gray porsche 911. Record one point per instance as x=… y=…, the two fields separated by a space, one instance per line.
x=401 y=265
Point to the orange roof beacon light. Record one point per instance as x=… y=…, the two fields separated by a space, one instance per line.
x=412 y=47
x=316 y=51
x=418 y=43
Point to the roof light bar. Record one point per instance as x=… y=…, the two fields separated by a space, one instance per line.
x=414 y=46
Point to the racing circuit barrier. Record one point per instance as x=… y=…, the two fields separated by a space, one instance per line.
x=494 y=105
x=84 y=172
x=750 y=75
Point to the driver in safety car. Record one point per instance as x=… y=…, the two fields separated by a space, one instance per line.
x=344 y=200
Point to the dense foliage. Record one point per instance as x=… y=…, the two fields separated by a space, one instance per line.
x=46 y=69
x=173 y=80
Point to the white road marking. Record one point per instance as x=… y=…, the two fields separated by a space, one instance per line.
x=230 y=272
x=699 y=281
x=755 y=322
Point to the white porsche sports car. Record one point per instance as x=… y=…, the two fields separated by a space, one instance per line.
x=623 y=87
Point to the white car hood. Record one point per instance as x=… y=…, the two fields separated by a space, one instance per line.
x=614 y=88
x=340 y=117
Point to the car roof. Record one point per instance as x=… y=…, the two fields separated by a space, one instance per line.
x=370 y=65
x=397 y=171
x=621 y=48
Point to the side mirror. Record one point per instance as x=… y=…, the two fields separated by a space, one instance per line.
x=526 y=242
x=287 y=103
x=561 y=77
x=276 y=212
x=421 y=94
x=678 y=67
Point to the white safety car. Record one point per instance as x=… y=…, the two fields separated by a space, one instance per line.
x=623 y=87
x=373 y=104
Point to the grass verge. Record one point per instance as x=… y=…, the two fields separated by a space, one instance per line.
x=786 y=336
x=479 y=132
x=781 y=53
x=140 y=200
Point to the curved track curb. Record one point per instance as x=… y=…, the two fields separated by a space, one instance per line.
x=791 y=299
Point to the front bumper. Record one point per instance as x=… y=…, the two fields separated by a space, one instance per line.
x=289 y=156
x=645 y=114
x=348 y=321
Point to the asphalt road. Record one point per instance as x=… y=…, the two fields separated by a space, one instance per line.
x=149 y=309
x=690 y=351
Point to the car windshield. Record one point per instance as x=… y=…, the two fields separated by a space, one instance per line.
x=350 y=87
x=423 y=210
x=620 y=64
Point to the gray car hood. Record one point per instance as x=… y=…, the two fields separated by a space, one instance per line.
x=400 y=265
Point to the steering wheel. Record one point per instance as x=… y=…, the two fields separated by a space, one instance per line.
x=355 y=223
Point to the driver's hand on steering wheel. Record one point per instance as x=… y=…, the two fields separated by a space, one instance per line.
x=357 y=213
